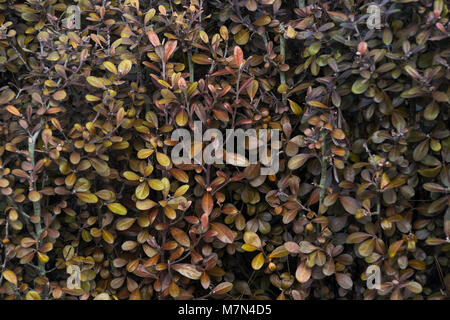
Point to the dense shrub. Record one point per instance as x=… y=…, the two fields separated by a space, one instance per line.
x=86 y=178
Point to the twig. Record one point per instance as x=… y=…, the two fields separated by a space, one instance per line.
x=441 y=277
x=36 y=204
x=323 y=174
x=11 y=203
x=21 y=58
x=283 y=54
x=283 y=61
x=191 y=67
x=108 y=135
x=5 y=260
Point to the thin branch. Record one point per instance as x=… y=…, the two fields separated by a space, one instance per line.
x=323 y=174
x=21 y=58
x=36 y=204
x=13 y=204
x=191 y=67
x=283 y=54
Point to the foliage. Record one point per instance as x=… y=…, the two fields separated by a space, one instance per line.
x=86 y=179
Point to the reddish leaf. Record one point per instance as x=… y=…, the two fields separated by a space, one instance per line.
x=224 y=233
x=207 y=203
x=153 y=37
x=238 y=56
x=350 y=204
x=169 y=49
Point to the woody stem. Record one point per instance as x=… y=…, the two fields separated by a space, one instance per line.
x=323 y=174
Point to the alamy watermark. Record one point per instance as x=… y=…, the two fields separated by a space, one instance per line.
x=74 y=281
x=374 y=19
x=242 y=148
x=373 y=273
x=72 y=18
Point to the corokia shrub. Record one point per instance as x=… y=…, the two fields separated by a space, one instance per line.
x=98 y=96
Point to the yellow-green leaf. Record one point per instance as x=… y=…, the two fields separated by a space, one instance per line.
x=252 y=238
x=87 y=197
x=95 y=82
x=117 y=208
x=142 y=191
x=156 y=184
x=162 y=159
x=32 y=295
x=258 y=261
x=125 y=67
x=10 y=276
x=110 y=67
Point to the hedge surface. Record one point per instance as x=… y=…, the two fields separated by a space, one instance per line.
x=87 y=182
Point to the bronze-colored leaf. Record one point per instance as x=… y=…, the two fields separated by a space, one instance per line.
x=344 y=280
x=187 y=270
x=207 y=203
x=180 y=236
x=303 y=273
x=224 y=233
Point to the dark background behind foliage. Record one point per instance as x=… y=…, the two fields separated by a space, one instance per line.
x=86 y=178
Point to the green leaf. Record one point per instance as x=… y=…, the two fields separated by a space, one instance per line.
x=360 y=86
x=314 y=48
